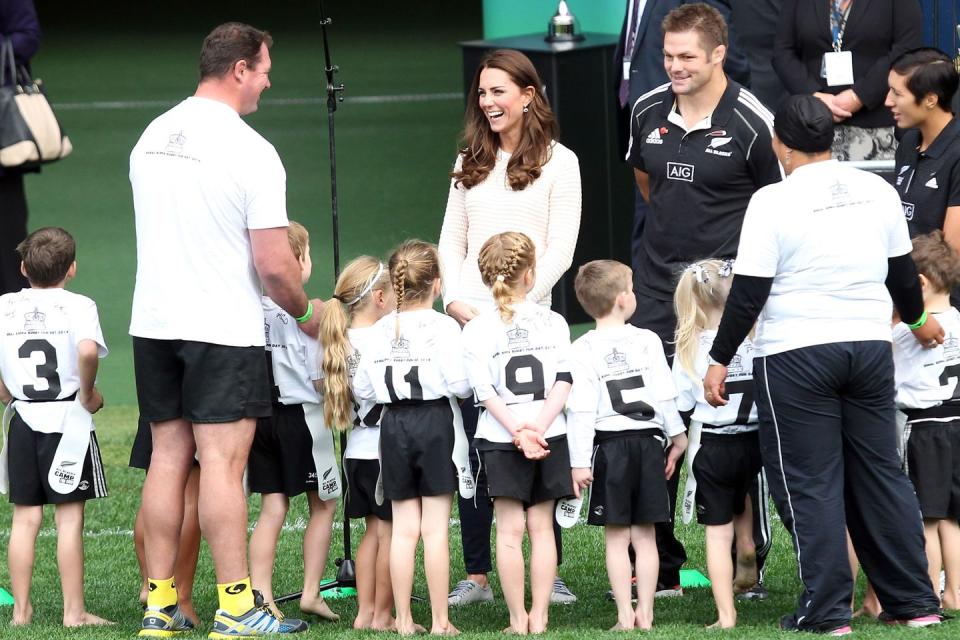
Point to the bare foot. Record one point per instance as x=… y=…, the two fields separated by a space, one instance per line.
x=22 y=616
x=319 y=608
x=510 y=631
x=408 y=629
x=362 y=623
x=720 y=624
x=537 y=625
x=86 y=620
x=448 y=630
x=388 y=624
x=865 y=612
x=644 y=623
x=143 y=596
x=621 y=627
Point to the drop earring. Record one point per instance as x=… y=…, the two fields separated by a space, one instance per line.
x=526 y=108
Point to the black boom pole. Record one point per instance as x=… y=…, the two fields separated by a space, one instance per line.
x=346 y=573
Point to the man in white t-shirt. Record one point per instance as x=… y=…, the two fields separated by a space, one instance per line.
x=209 y=194
x=821 y=256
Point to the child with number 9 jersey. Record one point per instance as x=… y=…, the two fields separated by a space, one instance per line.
x=621 y=411
x=928 y=391
x=414 y=365
x=517 y=360
x=50 y=345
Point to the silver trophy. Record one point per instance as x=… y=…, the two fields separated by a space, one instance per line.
x=563 y=26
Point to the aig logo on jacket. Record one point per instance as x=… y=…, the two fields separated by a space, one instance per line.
x=680 y=171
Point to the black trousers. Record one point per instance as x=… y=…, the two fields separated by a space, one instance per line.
x=476 y=514
x=828 y=441
x=13 y=229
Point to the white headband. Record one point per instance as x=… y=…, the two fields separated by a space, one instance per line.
x=369 y=286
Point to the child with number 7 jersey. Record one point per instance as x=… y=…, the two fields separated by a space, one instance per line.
x=414 y=366
x=621 y=413
x=724 y=460
x=517 y=362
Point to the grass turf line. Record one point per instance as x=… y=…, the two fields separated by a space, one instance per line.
x=112 y=581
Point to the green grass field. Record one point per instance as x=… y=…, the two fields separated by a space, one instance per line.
x=111 y=80
x=113 y=581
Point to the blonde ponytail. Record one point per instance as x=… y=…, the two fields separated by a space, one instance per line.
x=358 y=279
x=703 y=286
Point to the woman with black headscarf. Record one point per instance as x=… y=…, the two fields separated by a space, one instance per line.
x=821 y=255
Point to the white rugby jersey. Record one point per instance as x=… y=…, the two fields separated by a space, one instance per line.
x=424 y=363
x=519 y=361
x=363 y=442
x=927 y=378
x=294 y=356
x=39 y=333
x=621 y=382
x=739 y=415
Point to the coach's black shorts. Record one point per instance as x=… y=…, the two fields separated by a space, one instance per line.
x=281 y=458
x=933 y=464
x=30 y=457
x=629 y=487
x=142 y=449
x=362 y=476
x=199 y=381
x=416 y=444
x=510 y=474
x=725 y=466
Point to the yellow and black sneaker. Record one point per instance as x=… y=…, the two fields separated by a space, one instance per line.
x=164 y=623
x=258 y=621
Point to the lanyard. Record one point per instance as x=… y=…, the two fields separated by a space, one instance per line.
x=838 y=24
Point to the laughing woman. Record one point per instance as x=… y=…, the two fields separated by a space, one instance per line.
x=511 y=175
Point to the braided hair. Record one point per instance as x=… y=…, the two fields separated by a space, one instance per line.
x=504 y=260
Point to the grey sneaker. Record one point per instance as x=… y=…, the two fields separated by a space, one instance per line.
x=163 y=623
x=256 y=622
x=756 y=592
x=561 y=594
x=663 y=591
x=469 y=592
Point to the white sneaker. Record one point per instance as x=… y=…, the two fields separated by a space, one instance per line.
x=561 y=594
x=668 y=592
x=469 y=592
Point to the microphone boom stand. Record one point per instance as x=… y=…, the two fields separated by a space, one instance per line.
x=346 y=573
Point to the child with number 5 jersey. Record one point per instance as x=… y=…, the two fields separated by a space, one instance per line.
x=621 y=413
x=517 y=363
x=414 y=366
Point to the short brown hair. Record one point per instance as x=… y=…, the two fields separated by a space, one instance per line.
x=229 y=43
x=936 y=261
x=598 y=284
x=702 y=18
x=299 y=239
x=47 y=254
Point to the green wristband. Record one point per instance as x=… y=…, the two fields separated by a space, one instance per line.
x=919 y=323
x=309 y=314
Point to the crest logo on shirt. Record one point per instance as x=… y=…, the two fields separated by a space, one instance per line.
x=716 y=143
x=400 y=348
x=35 y=320
x=951 y=349
x=907 y=210
x=353 y=361
x=656 y=136
x=175 y=142
x=518 y=337
x=932 y=182
x=616 y=361
x=735 y=366
x=680 y=171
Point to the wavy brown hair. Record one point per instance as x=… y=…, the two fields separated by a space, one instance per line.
x=479 y=143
